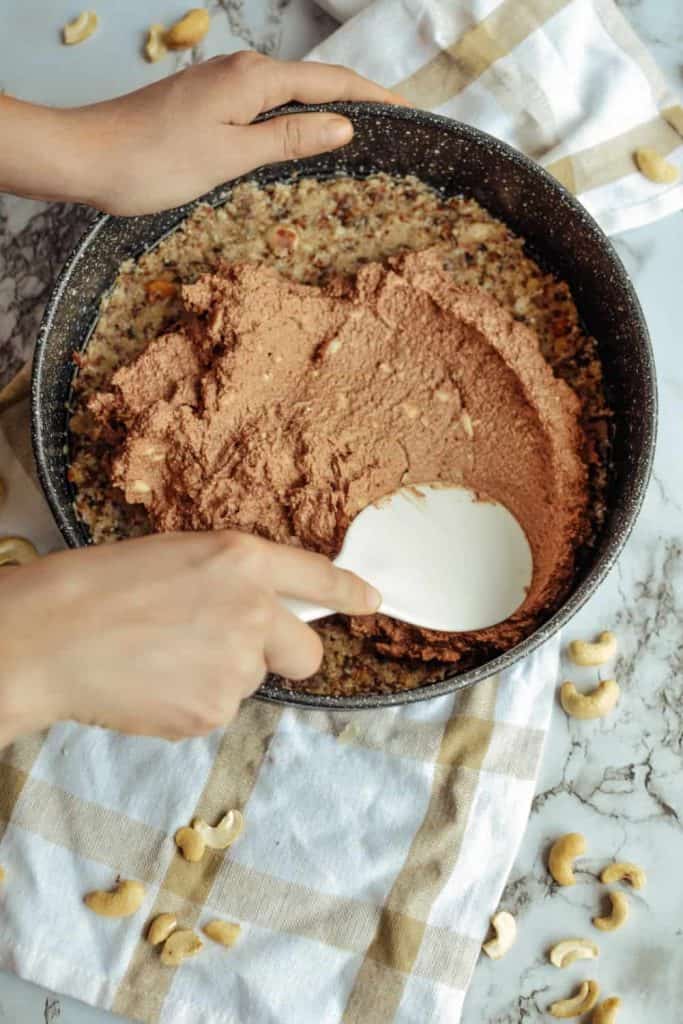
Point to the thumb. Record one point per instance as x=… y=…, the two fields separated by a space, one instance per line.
x=293 y=136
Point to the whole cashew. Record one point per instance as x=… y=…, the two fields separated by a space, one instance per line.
x=584 y=1000
x=125 y=899
x=505 y=927
x=188 y=31
x=618 y=916
x=228 y=829
x=596 y=704
x=81 y=28
x=16 y=551
x=565 y=953
x=190 y=844
x=160 y=928
x=624 y=871
x=180 y=946
x=563 y=852
x=583 y=653
x=223 y=932
x=606 y=1013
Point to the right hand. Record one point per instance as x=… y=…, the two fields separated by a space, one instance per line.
x=163 y=635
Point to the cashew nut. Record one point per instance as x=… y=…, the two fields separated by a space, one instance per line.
x=563 y=852
x=155 y=47
x=180 y=946
x=125 y=899
x=81 y=28
x=583 y=653
x=228 y=829
x=584 y=1000
x=160 y=928
x=652 y=164
x=624 y=871
x=505 y=927
x=188 y=31
x=16 y=551
x=618 y=916
x=606 y=1013
x=567 y=952
x=222 y=931
x=596 y=704
x=190 y=844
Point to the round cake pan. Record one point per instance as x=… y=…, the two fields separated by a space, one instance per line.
x=455 y=159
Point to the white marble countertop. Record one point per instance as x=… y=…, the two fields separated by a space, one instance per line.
x=618 y=782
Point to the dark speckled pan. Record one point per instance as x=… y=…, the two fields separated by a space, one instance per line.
x=457 y=159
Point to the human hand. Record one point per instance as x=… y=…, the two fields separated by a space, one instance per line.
x=162 y=635
x=172 y=141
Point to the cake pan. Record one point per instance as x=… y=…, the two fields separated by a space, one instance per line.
x=456 y=159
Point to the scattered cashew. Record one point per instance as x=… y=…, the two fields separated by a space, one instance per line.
x=180 y=946
x=155 y=47
x=16 y=551
x=606 y=1013
x=125 y=899
x=190 y=843
x=188 y=31
x=596 y=704
x=584 y=1000
x=623 y=871
x=223 y=932
x=81 y=28
x=160 y=928
x=583 y=653
x=563 y=852
x=228 y=829
x=568 y=951
x=505 y=927
x=617 y=917
x=652 y=164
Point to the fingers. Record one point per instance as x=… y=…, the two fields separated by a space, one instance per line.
x=292 y=649
x=312 y=82
x=290 y=138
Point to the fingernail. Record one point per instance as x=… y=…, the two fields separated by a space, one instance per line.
x=336 y=131
x=374 y=597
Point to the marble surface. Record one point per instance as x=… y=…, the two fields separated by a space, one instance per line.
x=618 y=781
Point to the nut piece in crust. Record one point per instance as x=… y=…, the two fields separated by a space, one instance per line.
x=596 y=704
x=180 y=946
x=160 y=928
x=16 y=551
x=223 y=932
x=505 y=927
x=567 y=952
x=603 y=650
x=563 y=852
x=228 y=829
x=190 y=844
x=652 y=164
x=81 y=28
x=606 y=1013
x=188 y=31
x=624 y=871
x=618 y=916
x=155 y=47
x=584 y=1000
x=122 y=901
x=160 y=289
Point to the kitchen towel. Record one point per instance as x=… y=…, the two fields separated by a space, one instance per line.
x=376 y=845
x=566 y=81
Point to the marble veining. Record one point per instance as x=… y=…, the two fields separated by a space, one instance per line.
x=617 y=781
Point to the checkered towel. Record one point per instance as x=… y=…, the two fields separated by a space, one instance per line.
x=377 y=843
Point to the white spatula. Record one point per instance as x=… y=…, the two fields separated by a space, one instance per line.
x=440 y=558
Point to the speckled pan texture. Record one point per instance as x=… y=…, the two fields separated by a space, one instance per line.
x=456 y=159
